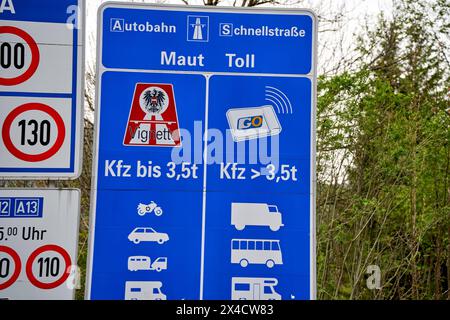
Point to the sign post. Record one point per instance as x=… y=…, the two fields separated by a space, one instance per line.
x=41 y=88
x=204 y=168
x=38 y=244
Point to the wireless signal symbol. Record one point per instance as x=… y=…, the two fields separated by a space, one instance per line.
x=279 y=99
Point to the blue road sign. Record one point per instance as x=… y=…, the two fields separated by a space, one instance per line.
x=204 y=175
x=21 y=207
x=41 y=92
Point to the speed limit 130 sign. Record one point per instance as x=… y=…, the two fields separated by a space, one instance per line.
x=38 y=244
x=41 y=88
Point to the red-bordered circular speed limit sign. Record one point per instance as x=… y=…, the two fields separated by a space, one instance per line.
x=35 y=57
x=51 y=149
x=47 y=263
x=17 y=266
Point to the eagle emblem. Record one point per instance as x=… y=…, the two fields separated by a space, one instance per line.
x=154 y=100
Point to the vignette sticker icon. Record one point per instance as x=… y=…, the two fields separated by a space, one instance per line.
x=153 y=119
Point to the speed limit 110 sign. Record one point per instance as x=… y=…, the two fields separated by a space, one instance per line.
x=41 y=88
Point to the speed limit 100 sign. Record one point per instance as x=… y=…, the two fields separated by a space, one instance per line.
x=38 y=244
x=41 y=76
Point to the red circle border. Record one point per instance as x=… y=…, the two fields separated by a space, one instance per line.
x=18 y=267
x=38 y=251
x=35 y=56
x=33 y=157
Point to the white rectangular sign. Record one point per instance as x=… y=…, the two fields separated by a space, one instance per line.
x=38 y=243
x=41 y=89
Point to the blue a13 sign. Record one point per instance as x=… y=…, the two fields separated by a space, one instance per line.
x=205 y=160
